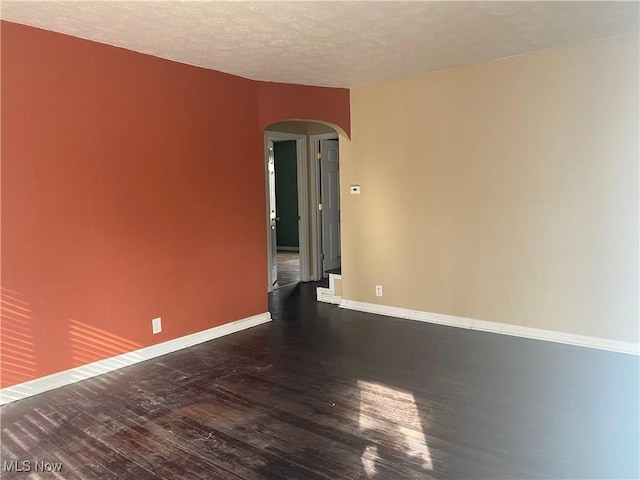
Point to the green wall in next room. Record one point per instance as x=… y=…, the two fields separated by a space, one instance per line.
x=286 y=193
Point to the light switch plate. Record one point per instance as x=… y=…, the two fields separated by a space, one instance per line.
x=355 y=189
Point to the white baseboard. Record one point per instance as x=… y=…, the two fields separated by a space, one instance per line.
x=288 y=249
x=49 y=382
x=494 y=327
x=328 y=295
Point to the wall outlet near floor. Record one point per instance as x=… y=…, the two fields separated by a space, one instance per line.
x=378 y=290
x=156 y=325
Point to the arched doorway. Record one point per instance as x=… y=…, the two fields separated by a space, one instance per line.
x=315 y=251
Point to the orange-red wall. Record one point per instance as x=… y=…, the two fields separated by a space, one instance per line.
x=281 y=100
x=132 y=187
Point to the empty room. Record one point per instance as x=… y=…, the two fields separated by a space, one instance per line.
x=458 y=214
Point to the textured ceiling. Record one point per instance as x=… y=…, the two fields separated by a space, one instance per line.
x=341 y=43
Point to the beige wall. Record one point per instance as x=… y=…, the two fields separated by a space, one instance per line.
x=505 y=191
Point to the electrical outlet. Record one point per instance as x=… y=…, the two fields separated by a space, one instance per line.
x=378 y=290
x=156 y=325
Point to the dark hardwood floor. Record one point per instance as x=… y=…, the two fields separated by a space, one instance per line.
x=327 y=393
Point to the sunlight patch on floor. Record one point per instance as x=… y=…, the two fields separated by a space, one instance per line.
x=389 y=419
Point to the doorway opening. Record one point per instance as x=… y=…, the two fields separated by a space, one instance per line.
x=303 y=195
x=285 y=208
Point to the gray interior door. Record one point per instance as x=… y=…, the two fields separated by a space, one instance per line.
x=330 y=192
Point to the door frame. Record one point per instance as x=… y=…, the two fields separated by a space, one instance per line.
x=303 y=202
x=316 y=219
